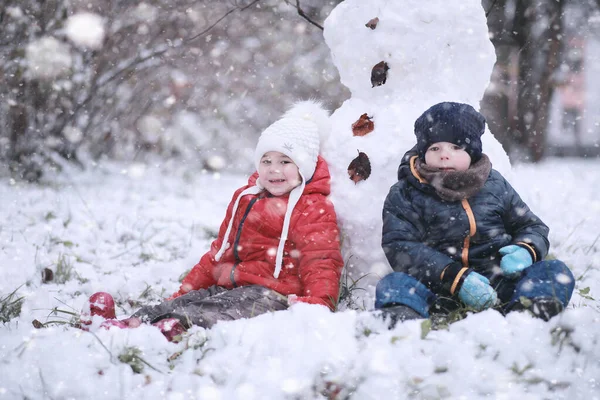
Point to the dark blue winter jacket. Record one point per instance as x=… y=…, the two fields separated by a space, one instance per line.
x=422 y=234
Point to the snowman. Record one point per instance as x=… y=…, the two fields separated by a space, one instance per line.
x=398 y=58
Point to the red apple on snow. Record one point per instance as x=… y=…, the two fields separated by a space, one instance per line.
x=102 y=304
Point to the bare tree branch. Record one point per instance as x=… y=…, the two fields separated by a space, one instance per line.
x=100 y=83
x=305 y=16
x=146 y=66
x=487 y=13
x=221 y=19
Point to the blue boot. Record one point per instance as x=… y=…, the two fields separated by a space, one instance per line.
x=401 y=297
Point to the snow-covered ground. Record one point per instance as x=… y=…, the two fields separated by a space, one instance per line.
x=133 y=230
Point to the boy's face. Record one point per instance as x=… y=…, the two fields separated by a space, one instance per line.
x=278 y=173
x=447 y=157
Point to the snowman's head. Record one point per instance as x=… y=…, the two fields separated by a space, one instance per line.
x=455 y=123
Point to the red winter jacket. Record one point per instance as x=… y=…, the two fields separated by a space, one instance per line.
x=312 y=261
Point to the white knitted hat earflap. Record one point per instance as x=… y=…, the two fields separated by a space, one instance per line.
x=225 y=244
x=297 y=134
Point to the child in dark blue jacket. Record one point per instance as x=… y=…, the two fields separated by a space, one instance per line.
x=455 y=232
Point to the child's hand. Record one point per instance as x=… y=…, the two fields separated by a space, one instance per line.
x=514 y=260
x=477 y=293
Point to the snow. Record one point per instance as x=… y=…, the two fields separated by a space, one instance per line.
x=47 y=58
x=133 y=230
x=130 y=229
x=150 y=128
x=145 y=12
x=73 y=134
x=85 y=30
x=14 y=12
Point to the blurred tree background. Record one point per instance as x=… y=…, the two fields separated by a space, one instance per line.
x=541 y=50
x=199 y=80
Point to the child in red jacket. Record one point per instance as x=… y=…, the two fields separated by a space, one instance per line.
x=279 y=241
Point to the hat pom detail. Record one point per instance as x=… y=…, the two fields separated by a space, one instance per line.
x=313 y=111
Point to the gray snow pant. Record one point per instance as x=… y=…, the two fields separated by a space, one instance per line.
x=205 y=307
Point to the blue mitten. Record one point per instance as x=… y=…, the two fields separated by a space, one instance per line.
x=514 y=260
x=477 y=293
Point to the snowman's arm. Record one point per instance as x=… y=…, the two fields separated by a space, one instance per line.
x=315 y=234
x=403 y=243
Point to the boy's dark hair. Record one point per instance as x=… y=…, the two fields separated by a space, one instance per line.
x=456 y=123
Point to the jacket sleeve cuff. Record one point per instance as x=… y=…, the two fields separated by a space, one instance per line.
x=530 y=249
x=453 y=276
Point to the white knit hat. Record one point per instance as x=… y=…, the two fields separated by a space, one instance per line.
x=297 y=134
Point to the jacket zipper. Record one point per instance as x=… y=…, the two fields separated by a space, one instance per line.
x=237 y=240
x=467 y=208
x=472 y=230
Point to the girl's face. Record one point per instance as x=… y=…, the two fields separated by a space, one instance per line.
x=278 y=173
x=447 y=157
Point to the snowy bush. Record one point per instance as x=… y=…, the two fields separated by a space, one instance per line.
x=105 y=70
x=85 y=30
x=47 y=58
